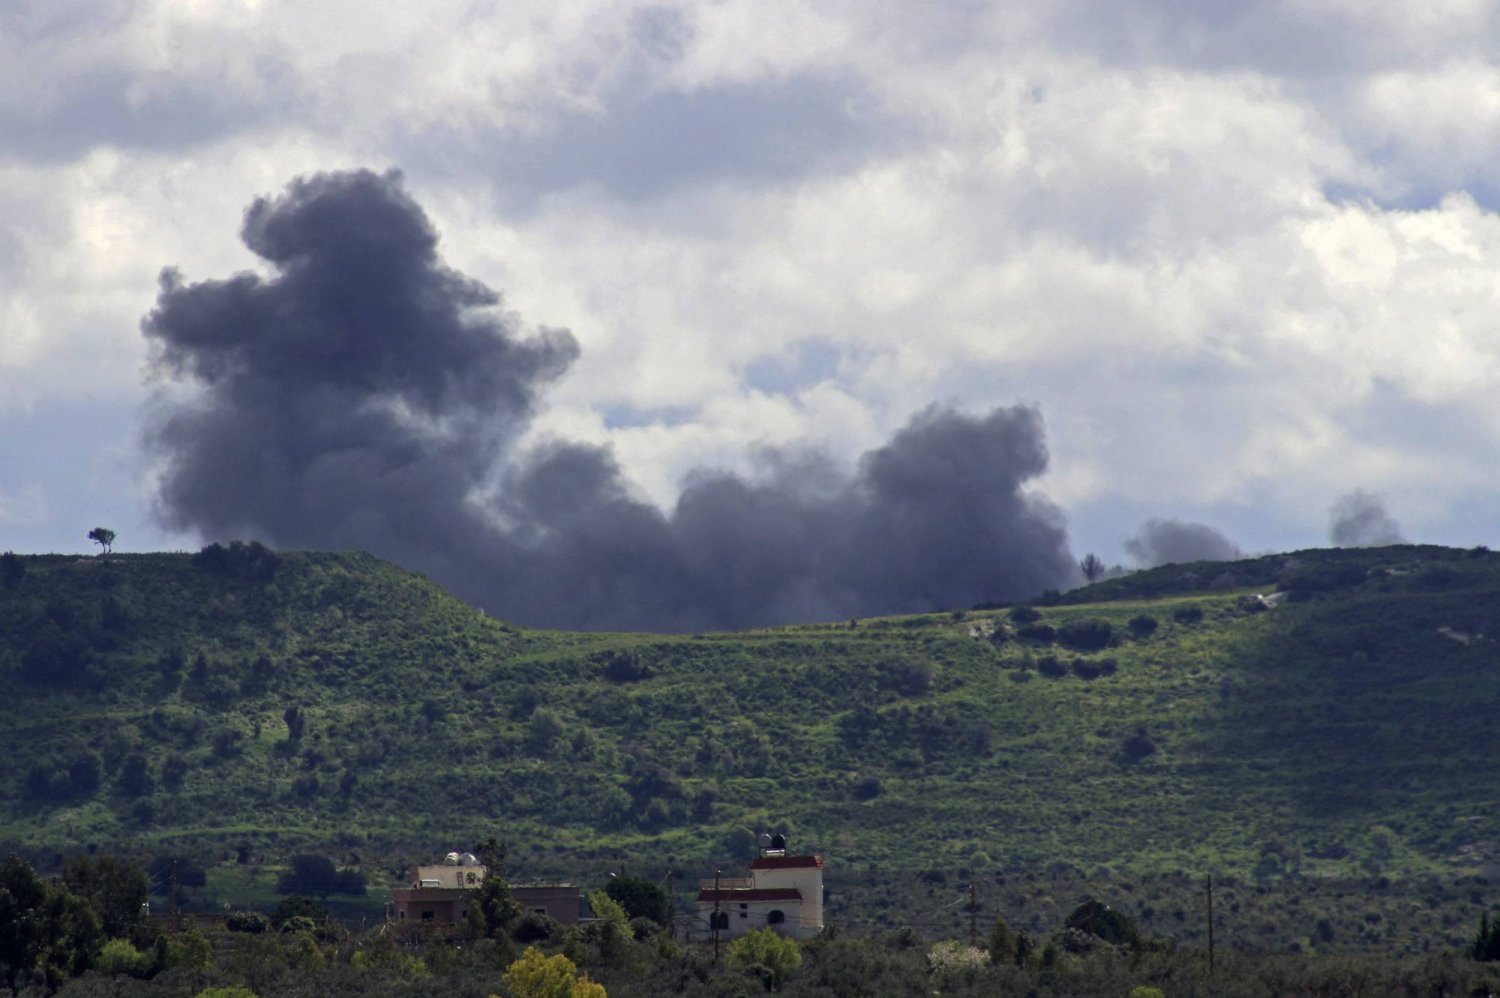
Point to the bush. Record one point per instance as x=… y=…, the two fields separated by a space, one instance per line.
x=1090 y=634
x=640 y=899
x=1188 y=614
x=1041 y=633
x=535 y=928
x=1143 y=626
x=1104 y=922
x=118 y=956
x=252 y=922
x=311 y=874
x=1025 y=614
x=625 y=667
x=1137 y=746
x=1048 y=665
x=763 y=952
x=1084 y=669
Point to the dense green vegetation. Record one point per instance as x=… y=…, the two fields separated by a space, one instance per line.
x=237 y=707
x=85 y=935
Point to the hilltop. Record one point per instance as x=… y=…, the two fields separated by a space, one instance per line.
x=242 y=702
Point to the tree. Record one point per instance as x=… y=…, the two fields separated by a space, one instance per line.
x=538 y=976
x=640 y=899
x=763 y=951
x=102 y=536
x=12 y=569
x=1092 y=567
x=116 y=889
x=492 y=909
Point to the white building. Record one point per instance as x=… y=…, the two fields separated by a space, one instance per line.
x=784 y=893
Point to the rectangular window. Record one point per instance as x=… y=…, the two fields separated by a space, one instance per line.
x=427 y=916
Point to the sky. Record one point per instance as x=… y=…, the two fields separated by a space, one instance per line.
x=1229 y=268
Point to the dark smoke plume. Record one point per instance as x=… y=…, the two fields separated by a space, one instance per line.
x=364 y=396
x=1169 y=542
x=1359 y=520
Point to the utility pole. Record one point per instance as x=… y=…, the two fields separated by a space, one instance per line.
x=716 y=915
x=1209 y=888
x=973 y=917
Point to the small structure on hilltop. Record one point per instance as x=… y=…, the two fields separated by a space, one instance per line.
x=783 y=893
x=439 y=894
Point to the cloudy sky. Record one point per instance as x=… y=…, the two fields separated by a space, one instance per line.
x=1243 y=259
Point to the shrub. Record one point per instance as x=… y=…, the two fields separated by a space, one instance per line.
x=763 y=952
x=1089 y=634
x=118 y=956
x=625 y=667
x=1106 y=923
x=1084 y=669
x=1143 y=626
x=533 y=927
x=1137 y=746
x=1041 y=633
x=954 y=964
x=1048 y=665
x=252 y=922
x=1025 y=614
x=1188 y=614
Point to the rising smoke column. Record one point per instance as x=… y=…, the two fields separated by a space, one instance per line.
x=1175 y=542
x=1359 y=519
x=365 y=396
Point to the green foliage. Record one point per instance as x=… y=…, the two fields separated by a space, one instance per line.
x=535 y=975
x=116 y=889
x=315 y=875
x=119 y=956
x=1098 y=919
x=763 y=952
x=640 y=899
x=299 y=907
x=104 y=537
x=12 y=569
x=252 y=922
x=1087 y=634
x=229 y=991
x=186 y=950
x=149 y=697
x=1486 y=945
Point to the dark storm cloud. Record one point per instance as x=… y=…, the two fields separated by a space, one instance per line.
x=1173 y=542
x=1359 y=520
x=365 y=396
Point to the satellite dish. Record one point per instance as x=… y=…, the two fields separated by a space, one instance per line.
x=765 y=841
x=468 y=859
x=451 y=859
x=778 y=842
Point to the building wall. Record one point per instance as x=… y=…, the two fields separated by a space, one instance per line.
x=559 y=901
x=806 y=880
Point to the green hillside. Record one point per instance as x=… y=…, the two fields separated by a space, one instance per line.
x=243 y=701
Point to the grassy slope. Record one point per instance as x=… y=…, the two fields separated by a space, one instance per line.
x=1334 y=735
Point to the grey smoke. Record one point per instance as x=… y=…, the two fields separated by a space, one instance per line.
x=365 y=396
x=1359 y=520
x=1169 y=542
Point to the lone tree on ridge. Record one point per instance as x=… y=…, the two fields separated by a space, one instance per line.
x=102 y=536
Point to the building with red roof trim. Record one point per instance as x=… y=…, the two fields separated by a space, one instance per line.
x=783 y=893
